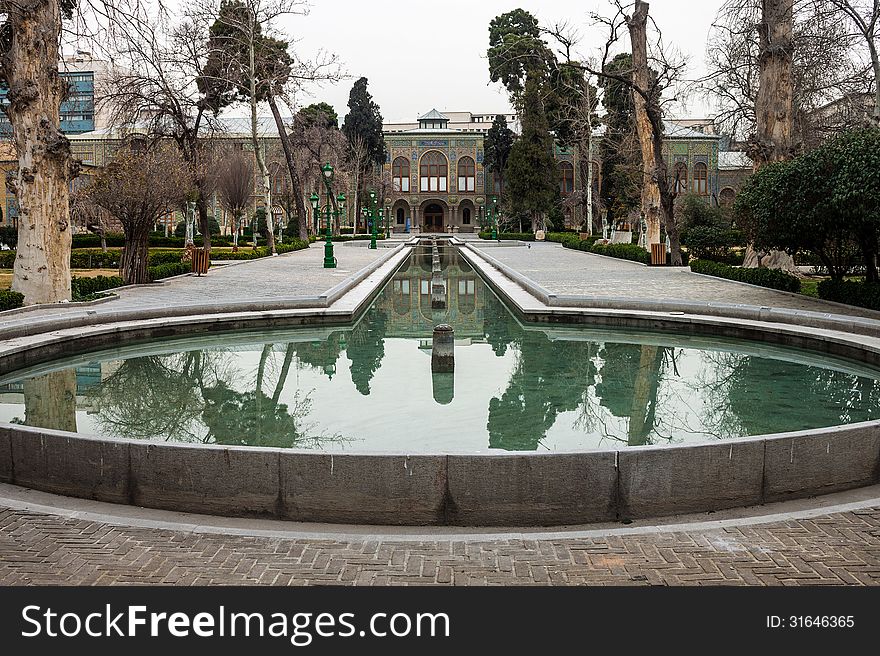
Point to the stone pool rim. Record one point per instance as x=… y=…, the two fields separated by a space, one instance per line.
x=484 y=489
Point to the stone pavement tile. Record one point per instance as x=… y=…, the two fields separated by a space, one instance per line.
x=566 y=271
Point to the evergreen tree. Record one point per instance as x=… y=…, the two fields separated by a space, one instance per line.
x=516 y=51
x=363 y=129
x=496 y=147
x=320 y=114
x=531 y=174
x=364 y=121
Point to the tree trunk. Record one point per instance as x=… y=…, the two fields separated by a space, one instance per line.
x=774 y=109
x=236 y=225
x=258 y=154
x=41 y=184
x=644 y=403
x=204 y=226
x=641 y=78
x=295 y=182
x=50 y=401
x=875 y=64
x=133 y=262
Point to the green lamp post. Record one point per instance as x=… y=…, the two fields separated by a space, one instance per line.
x=373 y=216
x=387 y=217
x=492 y=209
x=329 y=213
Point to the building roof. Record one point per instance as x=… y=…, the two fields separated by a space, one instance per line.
x=729 y=160
x=674 y=131
x=434 y=115
x=229 y=127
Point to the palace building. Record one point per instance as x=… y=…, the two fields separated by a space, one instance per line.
x=438 y=183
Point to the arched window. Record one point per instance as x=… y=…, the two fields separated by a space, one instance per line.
x=399 y=216
x=726 y=197
x=466 y=216
x=400 y=175
x=467 y=175
x=566 y=178
x=433 y=172
x=701 y=179
x=680 y=177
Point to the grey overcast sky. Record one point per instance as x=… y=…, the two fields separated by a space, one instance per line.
x=422 y=54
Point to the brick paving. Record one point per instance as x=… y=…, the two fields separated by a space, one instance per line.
x=565 y=271
x=844 y=548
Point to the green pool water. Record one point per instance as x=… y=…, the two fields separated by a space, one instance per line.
x=369 y=387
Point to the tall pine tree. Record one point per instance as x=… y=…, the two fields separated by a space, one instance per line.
x=496 y=147
x=363 y=129
x=532 y=177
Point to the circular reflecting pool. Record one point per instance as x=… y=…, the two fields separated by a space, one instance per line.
x=370 y=387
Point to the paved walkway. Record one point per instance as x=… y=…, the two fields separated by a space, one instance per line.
x=291 y=275
x=842 y=548
x=568 y=272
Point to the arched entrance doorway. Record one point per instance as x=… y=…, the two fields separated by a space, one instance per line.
x=433 y=218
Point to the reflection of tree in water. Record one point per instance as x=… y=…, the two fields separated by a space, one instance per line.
x=631 y=377
x=550 y=377
x=500 y=327
x=754 y=396
x=366 y=348
x=321 y=355
x=188 y=397
x=156 y=396
x=50 y=401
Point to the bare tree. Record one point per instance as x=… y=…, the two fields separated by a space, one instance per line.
x=87 y=215
x=235 y=187
x=137 y=188
x=824 y=68
x=30 y=36
x=864 y=16
x=653 y=72
x=156 y=90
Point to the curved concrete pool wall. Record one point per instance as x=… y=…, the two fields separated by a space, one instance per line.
x=469 y=490
x=507 y=489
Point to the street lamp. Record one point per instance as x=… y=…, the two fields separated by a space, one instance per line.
x=329 y=213
x=492 y=211
x=387 y=217
x=373 y=214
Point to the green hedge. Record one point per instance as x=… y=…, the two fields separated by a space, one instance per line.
x=520 y=236
x=164 y=257
x=85 y=289
x=851 y=292
x=10 y=300
x=632 y=252
x=7 y=259
x=771 y=278
x=262 y=251
x=168 y=270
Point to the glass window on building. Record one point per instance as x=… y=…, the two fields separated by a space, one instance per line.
x=701 y=179
x=434 y=172
x=400 y=175
x=680 y=177
x=466 y=216
x=467 y=175
x=566 y=178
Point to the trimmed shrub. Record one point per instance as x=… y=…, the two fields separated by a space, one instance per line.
x=262 y=251
x=85 y=289
x=770 y=278
x=520 y=236
x=94 y=258
x=9 y=236
x=168 y=270
x=632 y=252
x=10 y=300
x=7 y=259
x=851 y=292
x=164 y=257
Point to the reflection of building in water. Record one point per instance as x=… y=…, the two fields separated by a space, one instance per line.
x=88 y=376
x=407 y=301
